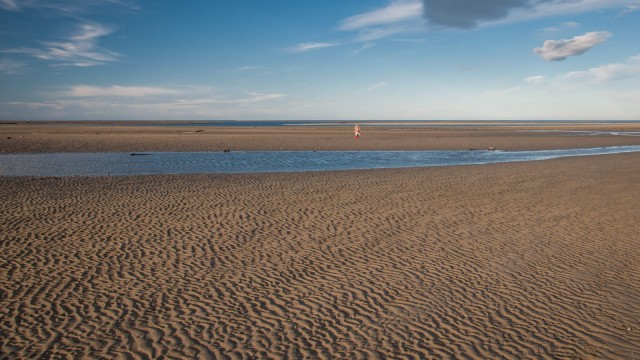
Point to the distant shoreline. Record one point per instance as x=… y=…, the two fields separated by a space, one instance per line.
x=324 y=123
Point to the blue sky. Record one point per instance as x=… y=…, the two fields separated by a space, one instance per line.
x=347 y=59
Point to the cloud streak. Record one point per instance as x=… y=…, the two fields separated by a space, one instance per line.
x=310 y=46
x=557 y=50
x=11 y=67
x=80 y=49
x=62 y=6
x=399 y=17
x=377 y=86
x=248 y=98
x=395 y=12
x=118 y=91
x=9 y=5
x=581 y=79
x=148 y=102
x=605 y=73
x=560 y=27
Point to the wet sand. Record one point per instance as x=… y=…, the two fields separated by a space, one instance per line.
x=91 y=137
x=522 y=260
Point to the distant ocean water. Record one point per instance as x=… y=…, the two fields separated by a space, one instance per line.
x=104 y=164
x=403 y=123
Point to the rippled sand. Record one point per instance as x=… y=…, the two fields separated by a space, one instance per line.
x=524 y=260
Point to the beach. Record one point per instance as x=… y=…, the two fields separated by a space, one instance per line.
x=527 y=260
x=37 y=137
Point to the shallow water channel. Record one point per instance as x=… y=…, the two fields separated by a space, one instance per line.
x=100 y=164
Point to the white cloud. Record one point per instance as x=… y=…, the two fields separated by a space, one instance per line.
x=79 y=49
x=554 y=50
x=395 y=12
x=112 y=91
x=606 y=73
x=312 y=46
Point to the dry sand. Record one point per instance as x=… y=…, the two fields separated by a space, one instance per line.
x=517 y=261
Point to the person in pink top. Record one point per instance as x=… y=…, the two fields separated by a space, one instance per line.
x=356 y=131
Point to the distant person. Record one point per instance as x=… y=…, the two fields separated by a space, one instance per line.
x=356 y=131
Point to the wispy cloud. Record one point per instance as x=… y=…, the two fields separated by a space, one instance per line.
x=560 y=27
x=599 y=75
x=310 y=46
x=399 y=17
x=116 y=91
x=149 y=102
x=11 y=67
x=537 y=79
x=364 y=47
x=377 y=86
x=9 y=5
x=247 y=98
x=79 y=49
x=605 y=73
x=63 y=6
x=555 y=50
x=377 y=33
x=631 y=8
x=248 y=68
x=52 y=104
x=395 y=12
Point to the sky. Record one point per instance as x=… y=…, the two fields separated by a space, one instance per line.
x=320 y=60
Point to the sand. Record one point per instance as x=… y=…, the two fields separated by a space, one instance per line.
x=534 y=260
x=92 y=137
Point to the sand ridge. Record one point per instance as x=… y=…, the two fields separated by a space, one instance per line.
x=527 y=260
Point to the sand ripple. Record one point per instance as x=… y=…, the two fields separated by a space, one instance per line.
x=536 y=260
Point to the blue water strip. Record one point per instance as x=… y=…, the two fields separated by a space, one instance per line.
x=103 y=164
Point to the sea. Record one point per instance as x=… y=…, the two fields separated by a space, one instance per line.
x=385 y=123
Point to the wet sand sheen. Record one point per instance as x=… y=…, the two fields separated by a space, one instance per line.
x=38 y=138
x=524 y=260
